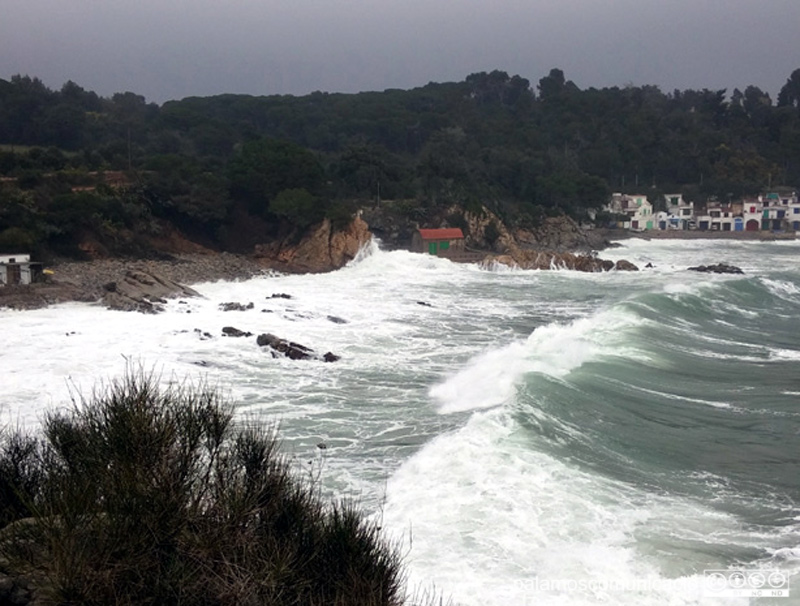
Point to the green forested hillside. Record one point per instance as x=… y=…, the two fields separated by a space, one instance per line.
x=274 y=163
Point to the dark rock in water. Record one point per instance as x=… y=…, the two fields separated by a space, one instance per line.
x=424 y=304
x=322 y=446
x=337 y=320
x=649 y=266
x=230 y=331
x=719 y=268
x=203 y=335
x=623 y=265
x=295 y=351
x=280 y=295
x=235 y=306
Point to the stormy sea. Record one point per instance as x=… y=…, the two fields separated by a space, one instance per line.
x=525 y=437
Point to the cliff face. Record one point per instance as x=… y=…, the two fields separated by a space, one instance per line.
x=559 y=234
x=557 y=243
x=483 y=230
x=321 y=249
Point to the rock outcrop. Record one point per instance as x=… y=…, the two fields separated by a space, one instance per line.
x=231 y=331
x=234 y=306
x=394 y=222
x=295 y=351
x=142 y=291
x=394 y=228
x=321 y=249
x=624 y=265
x=33 y=296
x=719 y=268
x=560 y=234
x=533 y=259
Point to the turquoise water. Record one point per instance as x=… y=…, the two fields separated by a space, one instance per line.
x=529 y=437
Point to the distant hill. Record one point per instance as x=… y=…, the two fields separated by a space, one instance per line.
x=231 y=170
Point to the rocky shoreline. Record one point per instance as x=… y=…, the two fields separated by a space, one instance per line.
x=187 y=269
x=143 y=284
x=90 y=281
x=764 y=236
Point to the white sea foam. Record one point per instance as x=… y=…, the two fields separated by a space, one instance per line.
x=784 y=354
x=490 y=379
x=489 y=521
x=782 y=289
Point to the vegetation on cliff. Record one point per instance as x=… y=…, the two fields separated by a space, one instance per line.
x=232 y=171
x=155 y=495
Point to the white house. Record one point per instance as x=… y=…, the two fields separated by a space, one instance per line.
x=778 y=212
x=793 y=214
x=680 y=213
x=722 y=216
x=752 y=210
x=637 y=208
x=17 y=269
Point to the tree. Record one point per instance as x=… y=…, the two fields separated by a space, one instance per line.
x=298 y=206
x=265 y=167
x=790 y=93
x=63 y=125
x=554 y=84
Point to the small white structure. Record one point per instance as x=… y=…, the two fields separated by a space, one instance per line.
x=17 y=269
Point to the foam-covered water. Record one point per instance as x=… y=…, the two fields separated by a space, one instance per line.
x=532 y=437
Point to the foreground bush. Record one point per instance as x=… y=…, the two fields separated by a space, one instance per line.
x=144 y=494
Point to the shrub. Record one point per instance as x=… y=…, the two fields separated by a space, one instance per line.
x=340 y=214
x=17 y=240
x=299 y=206
x=20 y=476
x=150 y=494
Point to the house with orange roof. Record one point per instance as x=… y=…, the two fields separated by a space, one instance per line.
x=440 y=242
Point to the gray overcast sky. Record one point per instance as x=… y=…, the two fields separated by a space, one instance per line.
x=170 y=49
